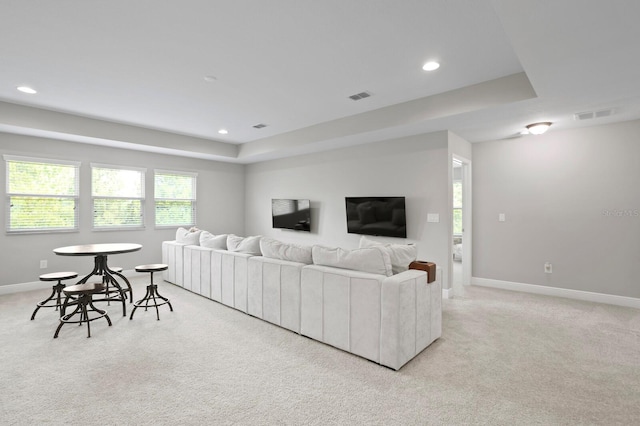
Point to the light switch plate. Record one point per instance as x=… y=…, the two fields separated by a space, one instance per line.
x=502 y=217
x=433 y=217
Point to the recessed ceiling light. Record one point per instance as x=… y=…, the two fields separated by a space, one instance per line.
x=223 y=131
x=26 y=89
x=431 y=66
x=210 y=78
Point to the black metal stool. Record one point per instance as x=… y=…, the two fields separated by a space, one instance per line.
x=55 y=293
x=152 y=291
x=108 y=290
x=84 y=298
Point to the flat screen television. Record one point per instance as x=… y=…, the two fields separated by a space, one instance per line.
x=383 y=216
x=291 y=214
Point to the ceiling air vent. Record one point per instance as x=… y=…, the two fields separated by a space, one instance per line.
x=359 y=96
x=604 y=113
x=588 y=115
x=259 y=126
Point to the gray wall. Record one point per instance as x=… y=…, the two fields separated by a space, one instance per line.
x=220 y=207
x=570 y=198
x=415 y=167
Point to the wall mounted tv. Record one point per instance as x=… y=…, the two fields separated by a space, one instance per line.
x=383 y=216
x=291 y=214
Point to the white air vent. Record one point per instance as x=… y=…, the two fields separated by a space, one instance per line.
x=583 y=115
x=359 y=96
x=259 y=126
x=588 y=115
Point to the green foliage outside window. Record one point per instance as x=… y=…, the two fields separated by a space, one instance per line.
x=42 y=196
x=109 y=212
x=118 y=196
x=457 y=208
x=175 y=196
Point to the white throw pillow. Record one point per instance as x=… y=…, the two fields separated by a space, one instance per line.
x=372 y=259
x=275 y=249
x=248 y=245
x=401 y=254
x=191 y=238
x=207 y=239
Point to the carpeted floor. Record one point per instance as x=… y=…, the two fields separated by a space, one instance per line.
x=504 y=358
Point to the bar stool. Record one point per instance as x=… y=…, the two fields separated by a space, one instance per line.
x=84 y=298
x=118 y=270
x=152 y=291
x=55 y=293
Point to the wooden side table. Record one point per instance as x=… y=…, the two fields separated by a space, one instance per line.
x=428 y=267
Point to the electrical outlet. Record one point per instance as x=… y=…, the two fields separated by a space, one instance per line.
x=502 y=217
x=548 y=268
x=43 y=264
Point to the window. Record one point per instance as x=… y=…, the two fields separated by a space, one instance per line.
x=42 y=195
x=457 y=207
x=175 y=198
x=118 y=197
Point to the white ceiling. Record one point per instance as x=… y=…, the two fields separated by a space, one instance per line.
x=292 y=64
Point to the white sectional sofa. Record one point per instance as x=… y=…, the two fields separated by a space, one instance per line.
x=382 y=316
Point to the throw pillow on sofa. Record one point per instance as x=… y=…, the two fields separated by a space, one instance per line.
x=190 y=237
x=248 y=245
x=275 y=249
x=372 y=259
x=401 y=254
x=219 y=242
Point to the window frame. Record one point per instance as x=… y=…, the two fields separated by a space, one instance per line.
x=141 y=198
x=9 y=194
x=194 y=205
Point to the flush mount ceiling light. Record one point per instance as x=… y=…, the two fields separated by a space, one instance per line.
x=223 y=131
x=431 y=66
x=539 y=128
x=26 y=89
x=210 y=78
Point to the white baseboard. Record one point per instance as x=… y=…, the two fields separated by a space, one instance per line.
x=18 y=288
x=588 y=296
x=39 y=285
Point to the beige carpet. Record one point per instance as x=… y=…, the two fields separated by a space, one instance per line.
x=504 y=358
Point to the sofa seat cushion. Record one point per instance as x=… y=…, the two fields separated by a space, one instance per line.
x=275 y=249
x=373 y=260
x=401 y=255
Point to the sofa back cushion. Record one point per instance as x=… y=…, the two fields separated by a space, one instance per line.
x=401 y=255
x=188 y=236
x=372 y=259
x=275 y=249
x=218 y=242
x=248 y=245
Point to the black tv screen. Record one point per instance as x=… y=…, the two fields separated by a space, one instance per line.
x=383 y=216
x=291 y=214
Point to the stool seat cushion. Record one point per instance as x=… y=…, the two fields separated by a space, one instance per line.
x=55 y=276
x=152 y=268
x=90 y=288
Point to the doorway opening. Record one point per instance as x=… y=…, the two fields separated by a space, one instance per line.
x=461 y=229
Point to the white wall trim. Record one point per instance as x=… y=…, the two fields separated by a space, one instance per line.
x=588 y=296
x=446 y=293
x=39 y=285
x=18 y=288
